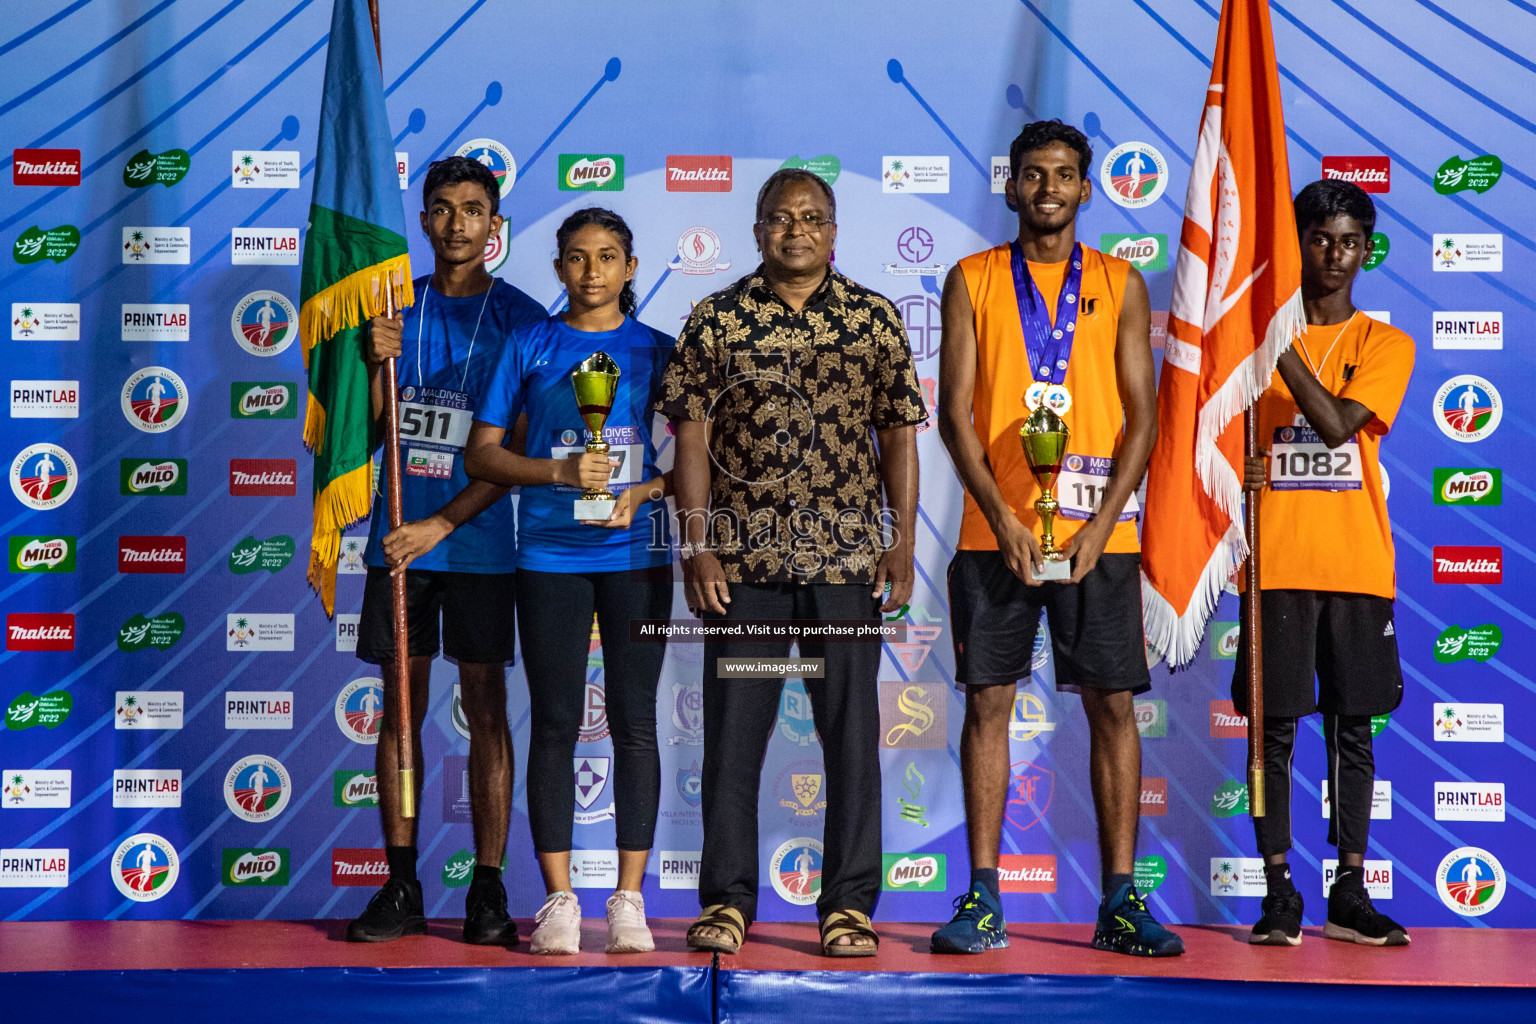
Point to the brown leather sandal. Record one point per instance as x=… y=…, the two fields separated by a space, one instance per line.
x=728 y=919
x=847 y=922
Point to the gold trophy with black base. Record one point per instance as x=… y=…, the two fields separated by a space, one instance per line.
x=595 y=381
x=1044 y=436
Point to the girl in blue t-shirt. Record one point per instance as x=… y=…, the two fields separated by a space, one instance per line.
x=619 y=568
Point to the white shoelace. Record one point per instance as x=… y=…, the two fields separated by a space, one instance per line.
x=559 y=905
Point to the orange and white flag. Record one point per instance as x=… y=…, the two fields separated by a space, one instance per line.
x=1236 y=307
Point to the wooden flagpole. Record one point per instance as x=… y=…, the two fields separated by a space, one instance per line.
x=1253 y=630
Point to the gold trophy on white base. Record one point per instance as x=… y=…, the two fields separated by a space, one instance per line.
x=595 y=381
x=1044 y=436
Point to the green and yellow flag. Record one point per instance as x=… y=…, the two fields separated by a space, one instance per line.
x=354 y=250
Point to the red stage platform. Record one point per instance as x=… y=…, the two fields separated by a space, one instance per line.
x=60 y=969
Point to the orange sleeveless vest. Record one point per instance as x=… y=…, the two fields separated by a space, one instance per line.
x=1096 y=418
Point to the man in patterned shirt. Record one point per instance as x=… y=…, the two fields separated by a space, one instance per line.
x=794 y=399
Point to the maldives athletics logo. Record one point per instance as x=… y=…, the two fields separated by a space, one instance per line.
x=496 y=157
x=145 y=867
x=795 y=871
x=264 y=323
x=257 y=788
x=1134 y=174
x=154 y=399
x=1468 y=408
x=43 y=476
x=1470 y=881
x=360 y=710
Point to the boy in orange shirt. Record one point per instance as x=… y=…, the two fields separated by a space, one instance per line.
x=1327 y=570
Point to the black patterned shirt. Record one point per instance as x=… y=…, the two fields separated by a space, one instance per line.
x=792 y=399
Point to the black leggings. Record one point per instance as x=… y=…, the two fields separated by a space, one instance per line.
x=1351 y=782
x=554 y=620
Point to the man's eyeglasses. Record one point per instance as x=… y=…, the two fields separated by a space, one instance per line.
x=777 y=223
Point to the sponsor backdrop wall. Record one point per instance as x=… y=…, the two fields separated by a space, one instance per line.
x=187 y=735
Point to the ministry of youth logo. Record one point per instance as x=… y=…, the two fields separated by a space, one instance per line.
x=264 y=323
x=257 y=788
x=43 y=476
x=360 y=710
x=144 y=867
x=154 y=399
x=795 y=871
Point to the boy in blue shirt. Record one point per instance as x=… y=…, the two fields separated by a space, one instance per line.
x=456 y=546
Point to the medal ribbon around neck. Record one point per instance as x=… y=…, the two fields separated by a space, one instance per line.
x=1049 y=348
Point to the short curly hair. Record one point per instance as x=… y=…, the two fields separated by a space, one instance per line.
x=1037 y=134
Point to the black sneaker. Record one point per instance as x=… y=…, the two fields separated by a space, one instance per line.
x=1280 y=924
x=1351 y=918
x=486 y=921
x=395 y=910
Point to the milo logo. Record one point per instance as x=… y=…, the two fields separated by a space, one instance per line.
x=150 y=477
x=914 y=872
x=1151 y=718
x=256 y=867
x=273 y=400
x=355 y=788
x=252 y=555
x=1468 y=487
x=591 y=172
x=42 y=554
x=1146 y=252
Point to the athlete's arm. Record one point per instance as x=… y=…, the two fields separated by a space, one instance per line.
x=704 y=585
x=1335 y=420
x=409 y=541
x=1138 y=397
x=957 y=390
x=628 y=503
x=486 y=459
x=898 y=472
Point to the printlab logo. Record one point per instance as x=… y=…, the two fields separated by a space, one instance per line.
x=1482 y=331
x=28 y=709
x=146 y=787
x=1479 y=174
x=679 y=868
x=795 y=871
x=258 y=709
x=360 y=710
x=256 y=867
x=43 y=476
x=57 y=244
x=1478 y=643
x=154 y=399
x=144 y=168
x=1133 y=175
x=1468 y=408
x=257 y=788
x=264 y=323
x=156 y=321
x=1470 y=881
x=1469 y=801
x=496 y=157
x=698 y=173
x=152 y=477
x=264 y=246
x=591 y=172
x=145 y=867
x=1371 y=173
x=698 y=252
x=45 y=167
x=912 y=781
x=1145 y=252
x=34 y=869
x=42 y=554
x=1468 y=486
x=45 y=321
x=1030 y=788
x=915 y=247
x=1471 y=253
x=912 y=716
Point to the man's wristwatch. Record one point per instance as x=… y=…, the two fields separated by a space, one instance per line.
x=687 y=551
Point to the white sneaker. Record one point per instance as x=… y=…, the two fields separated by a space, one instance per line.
x=627 y=931
x=557 y=926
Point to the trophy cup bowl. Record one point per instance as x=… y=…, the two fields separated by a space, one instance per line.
x=595 y=381
x=1044 y=436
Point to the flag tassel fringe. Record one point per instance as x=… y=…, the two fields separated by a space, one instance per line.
x=343 y=502
x=1175 y=636
x=357 y=297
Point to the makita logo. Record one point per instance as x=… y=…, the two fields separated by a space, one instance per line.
x=1026 y=872
x=1154 y=796
x=358 y=867
x=1469 y=564
x=263 y=477
x=698 y=174
x=1371 y=173
x=46 y=167
x=39 y=631
x=1226 y=723
x=152 y=554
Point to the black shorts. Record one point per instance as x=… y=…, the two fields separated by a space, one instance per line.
x=1096 y=632
x=1348 y=641
x=477 y=611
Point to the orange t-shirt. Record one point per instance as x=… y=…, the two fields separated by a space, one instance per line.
x=1096 y=419
x=1312 y=538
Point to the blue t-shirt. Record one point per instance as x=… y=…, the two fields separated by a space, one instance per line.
x=445 y=362
x=534 y=376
